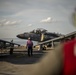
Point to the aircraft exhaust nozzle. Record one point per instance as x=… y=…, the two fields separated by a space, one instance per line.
x=42 y=37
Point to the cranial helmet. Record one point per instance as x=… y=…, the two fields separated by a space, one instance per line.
x=29 y=38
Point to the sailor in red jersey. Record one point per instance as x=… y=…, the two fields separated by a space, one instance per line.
x=61 y=61
x=69 y=52
x=69 y=58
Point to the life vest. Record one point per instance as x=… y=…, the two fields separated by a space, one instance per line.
x=70 y=58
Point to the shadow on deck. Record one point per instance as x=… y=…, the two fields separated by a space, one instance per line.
x=21 y=57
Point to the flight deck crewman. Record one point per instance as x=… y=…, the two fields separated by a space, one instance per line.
x=11 y=47
x=30 y=47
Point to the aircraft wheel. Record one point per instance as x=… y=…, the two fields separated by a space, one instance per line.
x=44 y=48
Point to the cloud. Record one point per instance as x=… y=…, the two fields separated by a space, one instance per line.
x=29 y=25
x=7 y=23
x=10 y=22
x=48 y=20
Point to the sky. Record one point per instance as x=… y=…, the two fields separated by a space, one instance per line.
x=19 y=16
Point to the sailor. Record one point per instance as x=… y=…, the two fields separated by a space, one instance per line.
x=11 y=47
x=30 y=47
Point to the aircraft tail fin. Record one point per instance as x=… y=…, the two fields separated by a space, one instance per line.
x=42 y=37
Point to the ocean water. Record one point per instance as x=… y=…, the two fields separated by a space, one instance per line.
x=18 y=41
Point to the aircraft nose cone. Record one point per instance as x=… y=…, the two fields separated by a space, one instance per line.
x=23 y=36
x=20 y=36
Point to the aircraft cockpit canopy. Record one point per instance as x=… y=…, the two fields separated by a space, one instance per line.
x=38 y=30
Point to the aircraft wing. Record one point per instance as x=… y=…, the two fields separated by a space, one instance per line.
x=4 y=43
x=64 y=37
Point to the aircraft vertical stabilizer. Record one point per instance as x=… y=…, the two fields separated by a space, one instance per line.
x=42 y=37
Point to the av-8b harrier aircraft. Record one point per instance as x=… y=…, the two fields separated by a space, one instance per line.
x=38 y=35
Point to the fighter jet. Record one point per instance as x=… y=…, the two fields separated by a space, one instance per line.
x=38 y=35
